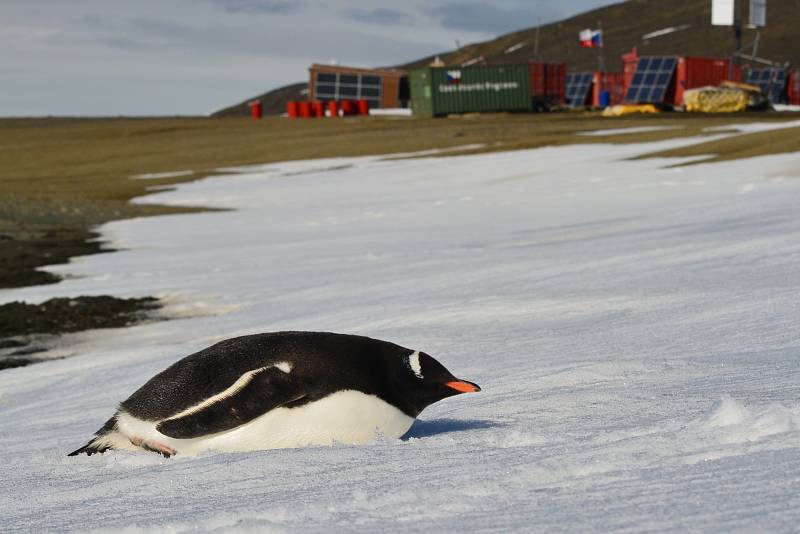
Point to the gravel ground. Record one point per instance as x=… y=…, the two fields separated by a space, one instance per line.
x=36 y=232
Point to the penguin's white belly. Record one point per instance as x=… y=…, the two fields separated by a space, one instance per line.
x=345 y=417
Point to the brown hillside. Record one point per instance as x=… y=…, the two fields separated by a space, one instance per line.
x=623 y=26
x=274 y=101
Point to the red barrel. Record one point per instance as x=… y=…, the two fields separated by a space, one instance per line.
x=363 y=107
x=793 y=88
x=256 y=110
x=333 y=109
x=292 y=109
x=347 y=107
x=305 y=109
x=318 y=109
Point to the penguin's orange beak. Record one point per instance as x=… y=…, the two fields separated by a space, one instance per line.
x=462 y=386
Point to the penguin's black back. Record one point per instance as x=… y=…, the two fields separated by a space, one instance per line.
x=322 y=363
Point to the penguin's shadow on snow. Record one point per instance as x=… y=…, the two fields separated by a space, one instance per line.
x=426 y=429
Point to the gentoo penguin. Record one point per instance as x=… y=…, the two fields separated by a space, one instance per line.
x=276 y=390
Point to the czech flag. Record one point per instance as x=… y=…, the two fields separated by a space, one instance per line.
x=591 y=38
x=453 y=77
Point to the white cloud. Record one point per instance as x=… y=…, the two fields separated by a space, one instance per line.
x=112 y=57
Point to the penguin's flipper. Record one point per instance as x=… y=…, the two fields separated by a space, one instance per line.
x=267 y=389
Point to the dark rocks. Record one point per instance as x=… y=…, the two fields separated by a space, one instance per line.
x=23 y=325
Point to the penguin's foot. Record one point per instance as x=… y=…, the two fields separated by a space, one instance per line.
x=154 y=446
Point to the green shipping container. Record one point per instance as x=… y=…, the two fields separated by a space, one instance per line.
x=445 y=90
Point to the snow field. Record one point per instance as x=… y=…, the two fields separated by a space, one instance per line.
x=633 y=325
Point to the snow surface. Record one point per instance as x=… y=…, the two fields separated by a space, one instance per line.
x=385 y=112
x=755 y=127
x=786 y=107
x=634 y=328
x=157 y=175
x=630 y=130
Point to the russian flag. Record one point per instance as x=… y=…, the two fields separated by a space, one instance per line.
x=591 y=38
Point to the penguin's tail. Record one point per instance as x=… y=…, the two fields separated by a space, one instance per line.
x=100 y=443
x=91 y=448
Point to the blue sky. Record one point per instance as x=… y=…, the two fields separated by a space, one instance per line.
x=189 y=57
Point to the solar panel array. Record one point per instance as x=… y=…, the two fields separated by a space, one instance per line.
x=343 y=86
x=578 y=84
x=771 y=81
x=651 y=79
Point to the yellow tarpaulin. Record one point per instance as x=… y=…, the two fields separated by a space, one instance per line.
x=629 y=109
x=715 y=99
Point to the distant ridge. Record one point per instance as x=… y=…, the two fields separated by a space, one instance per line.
x=623 y=26
x=274 y=101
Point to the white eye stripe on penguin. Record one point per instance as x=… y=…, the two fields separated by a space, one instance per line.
x=413 y=362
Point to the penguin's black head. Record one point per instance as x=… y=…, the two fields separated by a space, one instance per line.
x=427 y=381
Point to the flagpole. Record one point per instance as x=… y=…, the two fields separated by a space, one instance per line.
x=737 y=33
x=601 y=64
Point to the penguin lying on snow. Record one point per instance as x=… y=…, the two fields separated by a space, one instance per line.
x=276 y=390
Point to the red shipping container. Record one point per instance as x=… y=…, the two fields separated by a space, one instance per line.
x=695 y=72
x=292 y=109
x=548 y=82
x=318 y=109
x=363 y=107
x=691 y=72
x=333 y=109
x=793 y=88
x=256 y=110
x=305 y=110
x=613 y=82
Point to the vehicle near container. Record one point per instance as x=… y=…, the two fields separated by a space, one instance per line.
x=548 y=84
x=381 y=88
x=438 y=91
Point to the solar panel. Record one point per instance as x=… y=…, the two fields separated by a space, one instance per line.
x=651 y=79
x=771 y=81
x=578 y=84
x=342 y=86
